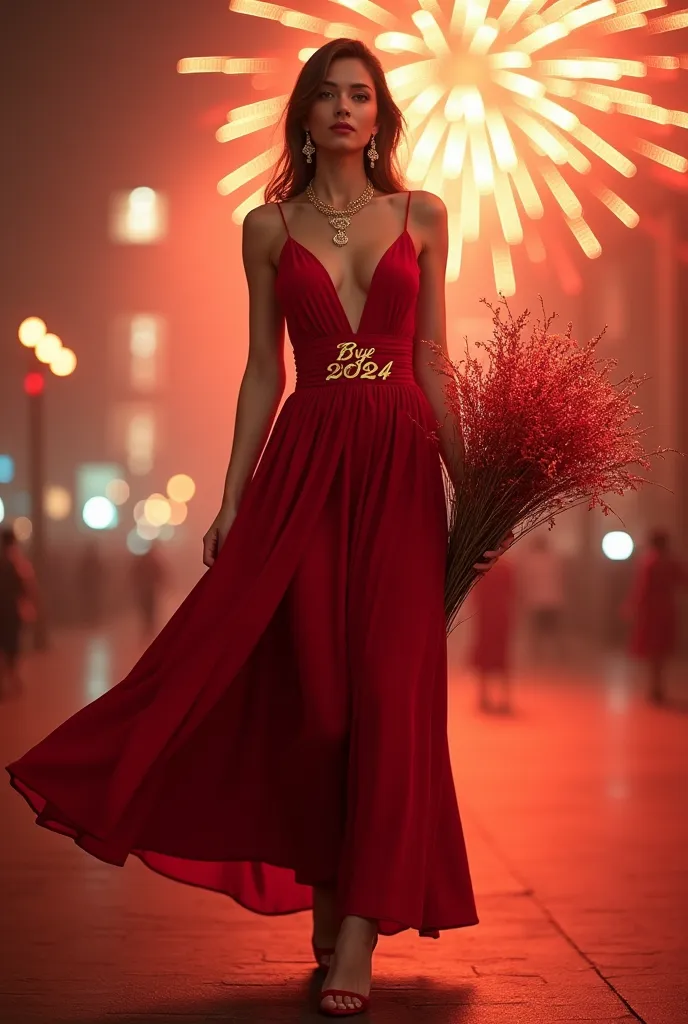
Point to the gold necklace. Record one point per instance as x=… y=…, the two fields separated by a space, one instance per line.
x=340 y=219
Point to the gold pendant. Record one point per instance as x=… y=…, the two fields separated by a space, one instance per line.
x=340 y=222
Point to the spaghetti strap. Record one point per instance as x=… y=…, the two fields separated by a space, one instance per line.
x=408 y=203
x=279 y=207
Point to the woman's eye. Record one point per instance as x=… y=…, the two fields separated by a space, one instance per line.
x=357 y=96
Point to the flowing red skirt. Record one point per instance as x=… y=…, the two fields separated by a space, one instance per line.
x=288 y=727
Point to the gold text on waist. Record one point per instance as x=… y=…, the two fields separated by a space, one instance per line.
x=356 y=362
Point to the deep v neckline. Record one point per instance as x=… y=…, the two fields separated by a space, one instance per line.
x=326 y=273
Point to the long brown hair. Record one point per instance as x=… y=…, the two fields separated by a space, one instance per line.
x=292 y=173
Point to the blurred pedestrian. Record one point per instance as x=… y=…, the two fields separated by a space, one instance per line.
x=11 y=596
x=652 y=608
x=149 y=576
x=30 y=597
x=494 y=601
x=544 y=597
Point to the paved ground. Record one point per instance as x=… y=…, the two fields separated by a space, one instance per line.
x=575 y=815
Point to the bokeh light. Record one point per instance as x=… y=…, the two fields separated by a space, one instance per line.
x=99 y=513
x=23 y=528
x=137 y=544
x=147 y=530
x=2 y=510
x=63 y=363
x=178 y=513
x=166 y=533
x=47 y=348
x=138 y=217
x=31 y=331
x=157 y=510
x=118 y=491
x=181 y=487
x=34 y=383
x=141 y=433
x=6 y=469
x=617 y=545
x=57 y=502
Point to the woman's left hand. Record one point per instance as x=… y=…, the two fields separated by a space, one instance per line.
x=492 y=556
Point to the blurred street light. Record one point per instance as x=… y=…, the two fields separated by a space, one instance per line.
x=47 y=348
x=57 y=502
x=99 y=514
x=31 y=331
x=181 y=487
x=63 y=362
x=617 y=545
x=157 y=510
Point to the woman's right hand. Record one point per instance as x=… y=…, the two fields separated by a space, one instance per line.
x=217 y=533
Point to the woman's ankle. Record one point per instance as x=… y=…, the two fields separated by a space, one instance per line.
x=325 y=921
x=363 y=928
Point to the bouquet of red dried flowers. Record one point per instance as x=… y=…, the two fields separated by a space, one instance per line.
x=543 y=428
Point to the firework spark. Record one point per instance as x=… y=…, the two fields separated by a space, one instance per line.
x=504 y=112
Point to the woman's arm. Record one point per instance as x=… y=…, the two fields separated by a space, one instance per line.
x=264 y=378
x=430 y=214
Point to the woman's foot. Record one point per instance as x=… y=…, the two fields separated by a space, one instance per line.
x=351 y=966
x=325 y=921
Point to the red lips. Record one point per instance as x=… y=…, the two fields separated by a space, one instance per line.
x=341 y=126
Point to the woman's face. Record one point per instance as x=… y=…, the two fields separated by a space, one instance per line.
x=347 y=95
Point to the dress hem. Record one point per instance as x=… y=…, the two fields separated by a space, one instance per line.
x=77 y=834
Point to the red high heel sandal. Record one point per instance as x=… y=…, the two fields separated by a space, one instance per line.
x=345 y=1011
x=321 y=951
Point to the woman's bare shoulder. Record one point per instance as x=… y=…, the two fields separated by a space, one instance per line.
x=262 y=218
x=428 y=207
x=262 y=229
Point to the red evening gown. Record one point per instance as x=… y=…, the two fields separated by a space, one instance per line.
x=288 y=726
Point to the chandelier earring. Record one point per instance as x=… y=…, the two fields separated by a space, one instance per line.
x=372 y=153
x=309 y=148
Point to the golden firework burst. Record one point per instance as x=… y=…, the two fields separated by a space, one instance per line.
x=507 y=106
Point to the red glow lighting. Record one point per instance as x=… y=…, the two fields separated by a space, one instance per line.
x=33 y=384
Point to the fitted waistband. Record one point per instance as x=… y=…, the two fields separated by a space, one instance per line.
x=366 y=359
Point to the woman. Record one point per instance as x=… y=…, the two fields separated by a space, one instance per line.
x=652 y=607
x=494 y=601
x=283 y=740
